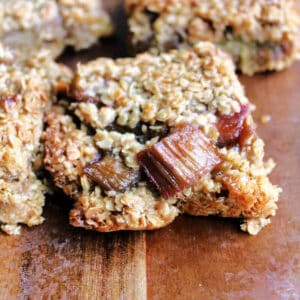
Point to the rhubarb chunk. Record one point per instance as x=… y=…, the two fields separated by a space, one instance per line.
x=230 y=127
x=110 y=174
x=178 y=160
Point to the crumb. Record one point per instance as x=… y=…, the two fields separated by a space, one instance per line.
x=254 y=226
x=11 y=229
x=265 y=119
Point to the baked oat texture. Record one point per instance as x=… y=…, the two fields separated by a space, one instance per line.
x=25 y=93
x=120 y=107
x=32 y=25
x=261 y=35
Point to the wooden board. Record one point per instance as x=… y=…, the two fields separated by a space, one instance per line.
x=193 y=258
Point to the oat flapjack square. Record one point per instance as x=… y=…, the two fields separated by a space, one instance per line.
x=260 y=35
x=29 y=25
x=139 y=141
x=27 y=90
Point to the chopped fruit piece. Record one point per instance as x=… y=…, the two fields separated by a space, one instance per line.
x=230 y=127
x=247 y=133
x=110 y=174
x=178 y=160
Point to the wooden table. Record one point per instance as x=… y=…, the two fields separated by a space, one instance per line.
x=193 y=258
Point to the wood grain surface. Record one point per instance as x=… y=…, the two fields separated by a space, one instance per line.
x=193 y=258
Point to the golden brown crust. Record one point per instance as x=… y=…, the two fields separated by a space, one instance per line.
x=260 y=35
